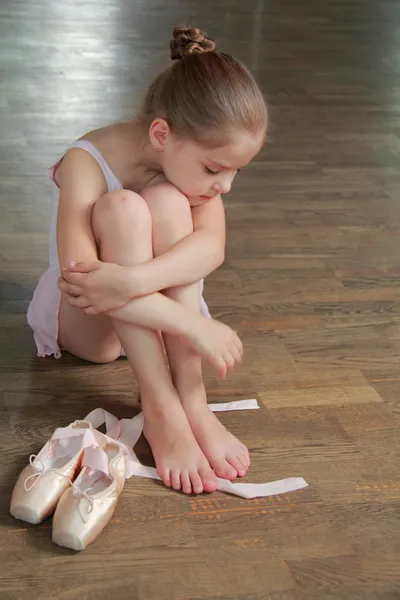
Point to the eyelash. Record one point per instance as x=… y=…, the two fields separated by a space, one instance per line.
x=207 y=170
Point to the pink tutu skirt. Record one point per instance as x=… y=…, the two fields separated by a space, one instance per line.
x=43 y=314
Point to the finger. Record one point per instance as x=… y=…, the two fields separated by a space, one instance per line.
x=75 y=278
x=68 y=297
x=84 y=266
x=80 y=302
x=69 y=288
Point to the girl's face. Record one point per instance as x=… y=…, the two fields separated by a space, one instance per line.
x=202 y=172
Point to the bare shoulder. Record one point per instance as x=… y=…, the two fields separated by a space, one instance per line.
x=102 y=134
x=79 y=174
x=77 y=160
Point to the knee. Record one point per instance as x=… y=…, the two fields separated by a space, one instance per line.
x=98 y=352
x=169 y=208
x=122 y=208
x=101 y=355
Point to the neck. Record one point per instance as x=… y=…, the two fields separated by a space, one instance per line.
x=145 y=158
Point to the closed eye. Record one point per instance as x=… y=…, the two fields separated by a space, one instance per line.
x=210 y=172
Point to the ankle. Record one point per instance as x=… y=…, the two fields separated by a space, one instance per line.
x=195 y=407
x=158 y=403
x=194 y=400
x=156 y=388
x=157 y=418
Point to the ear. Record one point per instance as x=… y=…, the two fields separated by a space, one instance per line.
x=159 y=132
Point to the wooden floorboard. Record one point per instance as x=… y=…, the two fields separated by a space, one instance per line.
x=310 y=282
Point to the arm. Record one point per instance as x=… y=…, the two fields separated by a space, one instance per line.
x=192 y=258
x=81 y=183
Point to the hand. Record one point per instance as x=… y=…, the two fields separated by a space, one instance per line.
x=96 y=287
x=218 y=343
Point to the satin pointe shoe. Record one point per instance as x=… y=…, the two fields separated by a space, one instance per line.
x=41 y=484
x=87 y=506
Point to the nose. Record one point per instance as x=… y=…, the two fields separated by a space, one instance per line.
x=223 y=186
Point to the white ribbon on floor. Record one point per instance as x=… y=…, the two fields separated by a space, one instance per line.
x=127 y=432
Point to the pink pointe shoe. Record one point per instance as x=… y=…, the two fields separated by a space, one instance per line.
x=41 y=484
x=87 y=506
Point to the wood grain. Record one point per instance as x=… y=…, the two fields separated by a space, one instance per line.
x=310 y=282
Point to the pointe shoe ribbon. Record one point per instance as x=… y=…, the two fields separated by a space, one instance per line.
x=50 y=472
x=34 y=478
x=130 y=430
x=125 y=433
x=95 y=460
x=61 y=434
x=38 y=471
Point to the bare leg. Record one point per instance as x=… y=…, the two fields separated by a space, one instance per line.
x=94 y=338
x=226 y=454
x=122 y=227
x=179 y=459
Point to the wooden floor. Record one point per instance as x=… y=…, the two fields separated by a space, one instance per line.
x=311 y=282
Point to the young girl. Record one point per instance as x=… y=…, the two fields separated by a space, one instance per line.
x=139 y=205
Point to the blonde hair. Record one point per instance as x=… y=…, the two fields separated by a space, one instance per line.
x=204 y=94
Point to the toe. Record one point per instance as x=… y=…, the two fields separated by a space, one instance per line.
x=246 y=454
x=208 y=480
x=197 y=484
x=166 y=477
x=235 y=462
x=176 y=480
x=224 y=470
x=244 y=461
x=186 y=484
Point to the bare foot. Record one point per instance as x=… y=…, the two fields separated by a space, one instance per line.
x=226 y=454
x=179 y=459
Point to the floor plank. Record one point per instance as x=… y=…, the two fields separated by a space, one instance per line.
x=310 y=283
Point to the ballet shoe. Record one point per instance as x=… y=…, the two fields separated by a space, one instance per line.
x=41 y=484
x=87 y=506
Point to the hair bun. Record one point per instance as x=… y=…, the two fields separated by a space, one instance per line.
x=190 y=40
